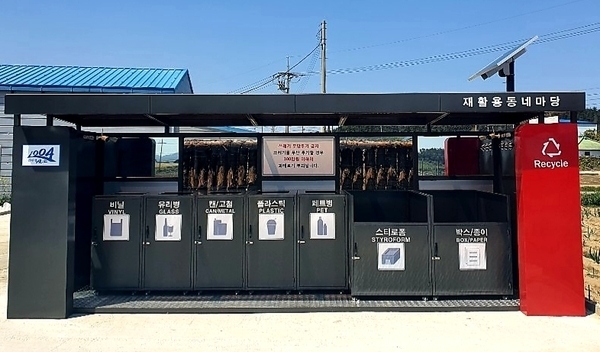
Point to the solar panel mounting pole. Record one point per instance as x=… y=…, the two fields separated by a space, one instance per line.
x=509 y=73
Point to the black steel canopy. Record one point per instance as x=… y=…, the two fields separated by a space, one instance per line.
x=103 y=110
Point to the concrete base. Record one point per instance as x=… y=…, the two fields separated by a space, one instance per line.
x=91 y=302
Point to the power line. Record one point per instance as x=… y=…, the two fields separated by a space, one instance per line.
x=405 y=40
x=549 y=37
x=311 y=66
x=305 y=57
x=456 y=29
x=259 y=87
x=253 y=85
x=249 y=71
x=283 y=77
x=559 y=35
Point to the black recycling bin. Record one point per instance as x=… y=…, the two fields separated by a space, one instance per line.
x=116 y=242
x=472 y=243
x=270 y=244
x=220 y=241
x=322 y=240
x=391 y=248
x=167 y=242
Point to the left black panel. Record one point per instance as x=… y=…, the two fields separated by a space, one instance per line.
x=167 y=243
x=116 y=242
x=44 y=222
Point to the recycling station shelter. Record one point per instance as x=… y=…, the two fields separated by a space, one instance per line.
x=295 y=222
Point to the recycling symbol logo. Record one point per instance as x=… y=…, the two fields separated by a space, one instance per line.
x=551 y=148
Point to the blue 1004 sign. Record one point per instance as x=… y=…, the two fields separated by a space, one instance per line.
x=41 y=155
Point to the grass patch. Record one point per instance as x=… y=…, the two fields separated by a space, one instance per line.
x=590 y=199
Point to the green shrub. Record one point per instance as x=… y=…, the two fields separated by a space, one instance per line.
x=4 y=198
x=589 y=163
x=590 y=199
x=594 y=254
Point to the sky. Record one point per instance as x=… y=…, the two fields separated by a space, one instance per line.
x=227 y=45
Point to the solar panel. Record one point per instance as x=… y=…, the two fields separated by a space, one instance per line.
x=500 y=62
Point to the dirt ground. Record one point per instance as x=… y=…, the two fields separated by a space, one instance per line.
x=591 y=239
x=4 y=224
x=589 y=180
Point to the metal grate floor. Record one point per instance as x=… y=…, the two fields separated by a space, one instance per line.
x=90 y=302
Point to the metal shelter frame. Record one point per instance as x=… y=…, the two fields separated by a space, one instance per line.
x=49 y=233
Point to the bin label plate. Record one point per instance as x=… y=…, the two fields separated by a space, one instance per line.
x=219 y=227
x=116 y=227
x=168 y=227
x=271 y=226
x=390 y=257
x=472 y=256
x=322 y=226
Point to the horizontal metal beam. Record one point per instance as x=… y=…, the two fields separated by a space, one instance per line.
x=159 y=105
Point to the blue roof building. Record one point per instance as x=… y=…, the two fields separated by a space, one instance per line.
x=75 y=79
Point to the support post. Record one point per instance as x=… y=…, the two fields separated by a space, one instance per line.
x=182 y=156
x=41 y=270
x=573 y=117
x=415 y=155
x=497 y=162
x=49 y=120
x=549 y=220
x=17 y=120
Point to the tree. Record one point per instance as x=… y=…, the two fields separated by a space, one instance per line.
x=591 y=135
x=432 y=155
x=592 y=115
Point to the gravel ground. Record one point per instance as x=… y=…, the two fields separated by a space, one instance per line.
x=502 y=331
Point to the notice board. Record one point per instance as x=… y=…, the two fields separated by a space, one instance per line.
x=298 y=156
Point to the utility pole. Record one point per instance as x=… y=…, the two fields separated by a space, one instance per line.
x=323 y=63
x=283 y=82
x=323 y=57
x=284 y=78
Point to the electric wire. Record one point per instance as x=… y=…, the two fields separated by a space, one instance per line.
x=260 y=87
x=455 y=29
x=311 y=66
x=265 y=81
x=248 y=71
x=406 y=39
x=546 y=38
x=305 y=57
x=253 y=85
x=402 y=40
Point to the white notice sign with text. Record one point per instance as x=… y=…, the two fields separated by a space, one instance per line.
x=298 y=156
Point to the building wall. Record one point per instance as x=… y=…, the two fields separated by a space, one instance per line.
x=592 y=153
